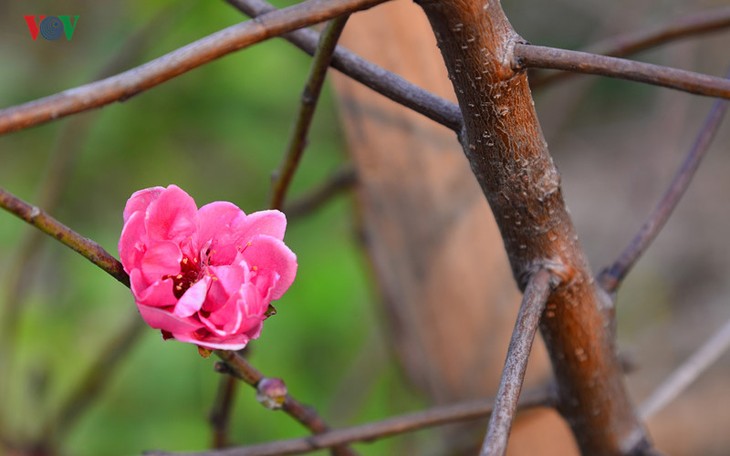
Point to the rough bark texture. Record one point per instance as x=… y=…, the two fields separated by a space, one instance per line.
x=449 y=296
x=509 y=156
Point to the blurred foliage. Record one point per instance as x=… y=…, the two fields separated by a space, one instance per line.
x=218 y=132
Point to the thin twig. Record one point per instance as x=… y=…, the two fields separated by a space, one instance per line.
x=378 y=79
x=436 y=416
x=281 y=180
x=611 y=277
x=623 y=45
x=129 y=83
x=56 y=176
x=92 y=384
x=529 y=56
x=65 y=235
x=307 y=416
x=96 y=254
x=310 y=97
x=342 y=179
x=687 y=373
x=220 y=415
x=513 y=374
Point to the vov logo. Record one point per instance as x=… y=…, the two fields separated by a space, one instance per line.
x=51 y=27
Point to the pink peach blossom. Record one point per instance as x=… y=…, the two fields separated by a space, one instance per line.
x=204 y=276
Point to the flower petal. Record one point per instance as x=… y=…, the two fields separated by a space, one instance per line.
x=140 y=200
x=214 y=343
x=226 y=320
x=271 y=223
x=132 y=242
x=157 y=294
x=270 y=255
x=255 y=331
x=162 y=319
x=215 y=219
x=161 y=259
x=227 y=283
x=193 y=299
x=172 y=216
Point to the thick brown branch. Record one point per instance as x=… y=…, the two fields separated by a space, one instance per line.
x=631 y=43
x=612 y=276
x=510 y=159
x=65 y=235
x=435 y=416
x=155 y=72
x=310 y=96
x=380 y=80
x=528 y=56
x=518 y=353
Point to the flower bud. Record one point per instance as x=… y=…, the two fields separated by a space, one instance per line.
x=271 y=393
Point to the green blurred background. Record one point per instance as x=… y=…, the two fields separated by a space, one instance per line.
x=218 y=132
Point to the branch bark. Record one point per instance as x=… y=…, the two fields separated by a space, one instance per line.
x=611 y=277
x=528 y=56
x=239 y=367
x=310 y=97
x=435 y=416
x=505 y=405
x=509 y=156
x=235 y=363
x=378 y=79
x=623 y=45
x=65 y=235
x=129 y=83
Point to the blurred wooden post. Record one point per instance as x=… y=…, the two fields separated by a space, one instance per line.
x=437 y=255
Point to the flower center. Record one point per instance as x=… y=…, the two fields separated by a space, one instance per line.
x=189 y=274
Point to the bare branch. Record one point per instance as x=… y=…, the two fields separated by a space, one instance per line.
x=282 y=179
x=505 y=406
x=236 y=364
x=342 y=179
x=509 y=157
x=436 y=416
x=220 y=415
x=56 y=176
x=623 y=45
x=52 y=227
x=129 y=83
x=611 y=277
x=528 y=56
x=307 y=416
x=380 y=80
x=687 y=373
x=310 y=96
